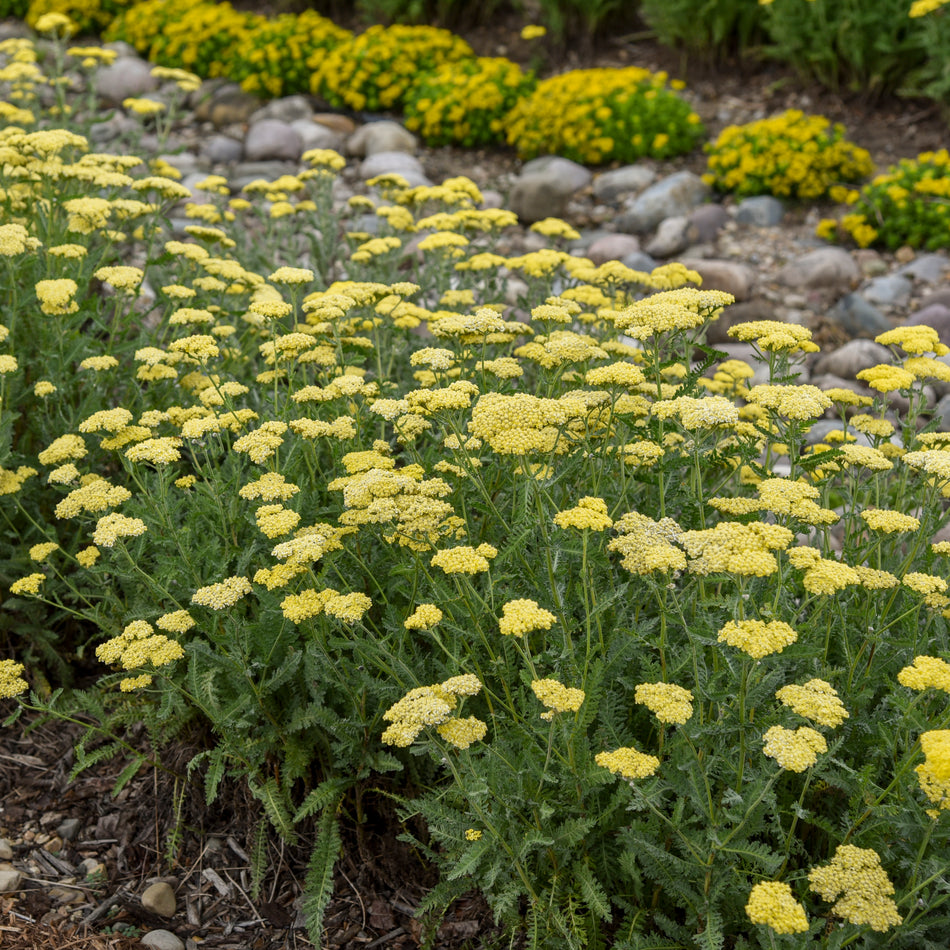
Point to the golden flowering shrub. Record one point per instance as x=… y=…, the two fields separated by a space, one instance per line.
x=789 y=155
x=594 y=116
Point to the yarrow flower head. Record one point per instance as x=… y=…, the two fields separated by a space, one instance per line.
x=926 y=672
x=424 y=617
x=557 y=697
x=794 y=749
x=590 y=514
x=772 y=903
x=11 y=679
x=860 y=887
x=628 y=763
x=523 y=616
x=815 y=700
x=667 y=701
x=222 y=595
x=464 y=559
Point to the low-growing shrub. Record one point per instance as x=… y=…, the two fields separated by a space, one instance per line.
x=88 y=16
x=789 y=155
x=880 y=47
x=595 y=116
x=465 y=102
x=908 y=205
x=712 y=30
x=374 y=70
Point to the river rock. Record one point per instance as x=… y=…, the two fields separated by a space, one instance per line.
x=127 y=76
x=246 y=172
x=288 y=109
x=674 y=195
x=385 y=136
x=227 y=104
x=708 y=220
x=761 y=211
x=731 y=276
x=672 y=236
x=857 y=317
x=848 y=360
x=10 y=881
x=315 y=135
x=338 y=123
x=638 y=260
x=756 y=309
x=941 y=413
x=222 y=149
x=6 y=852
x=928 y=268
x=935 y=315
x=612 y=247
x=162 y=940
x=889 y=291
x=569 y=176
x=544 y=187
x=825 y=267
x=392 y=163
x=117 y=125
x=621 y=181
x=159 y=898
x=272 y=139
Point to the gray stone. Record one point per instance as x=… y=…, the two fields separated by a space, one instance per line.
x=117 y=125
x=288 y=109
x=6 y=852
x=69 y=828
x=569 y=175
x=543 y=188
x=272 y=139
x=820 y=430
x=230 y=105
x=674 y=195
x=159 y=898
x=857 y=317
x=941 y=296
x=825 y=267
x=315 y=135
x=15 y=30
x=338 y=123
x=708 y=220
x=870 y=262
x=829 y=381
x=127 y=76
x=762 y=211
x=621 y=181
x=731 y=276
x=638 y=260
x=929 y=268
x=890 y=291
x=935 y=315
x=222 y=149
x=941 y=413
x=10 y=881
x=612 y=247
x=848 y=360
x=393 y=163
x=672 y=236
x=162 y=940
x=492 y=198
x=385 y=136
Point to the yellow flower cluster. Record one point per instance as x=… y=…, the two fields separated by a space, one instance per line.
x=773 y=336
x=772 y=903
x=684 y=308
x=860 y=887
x=815 y=700
x=792 y=154
x=424 y=617
x=758 y=638
x=889 y=522
x=590 y=514
x=794 y=749
x=933 y=773
x=734 y=548
x=926 y=672
x=648 y=545
x=222 y=595
x=594 y=116
x=433 y=706
x=519 y=617
x=667 y=701
x=373 y=71
x=11 y=679
x=557 y=697
x=628 y=763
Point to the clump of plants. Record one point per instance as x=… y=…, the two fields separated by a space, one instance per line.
x=87 y=16
x=789 y=155
x=594 y=116
x=465 y=102
x=709 y=29
x=656 y=668
x=374 y=70
x=908 y=205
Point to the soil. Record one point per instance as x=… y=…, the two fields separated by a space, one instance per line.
x=158 y=828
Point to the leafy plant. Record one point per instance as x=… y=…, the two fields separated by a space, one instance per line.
x=792 y=154
x=595 y=116
x=709 y=29
x=907 y=205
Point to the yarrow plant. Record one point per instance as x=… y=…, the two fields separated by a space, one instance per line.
x=654 y=666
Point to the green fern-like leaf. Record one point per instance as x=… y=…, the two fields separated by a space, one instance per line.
x=319 y=883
